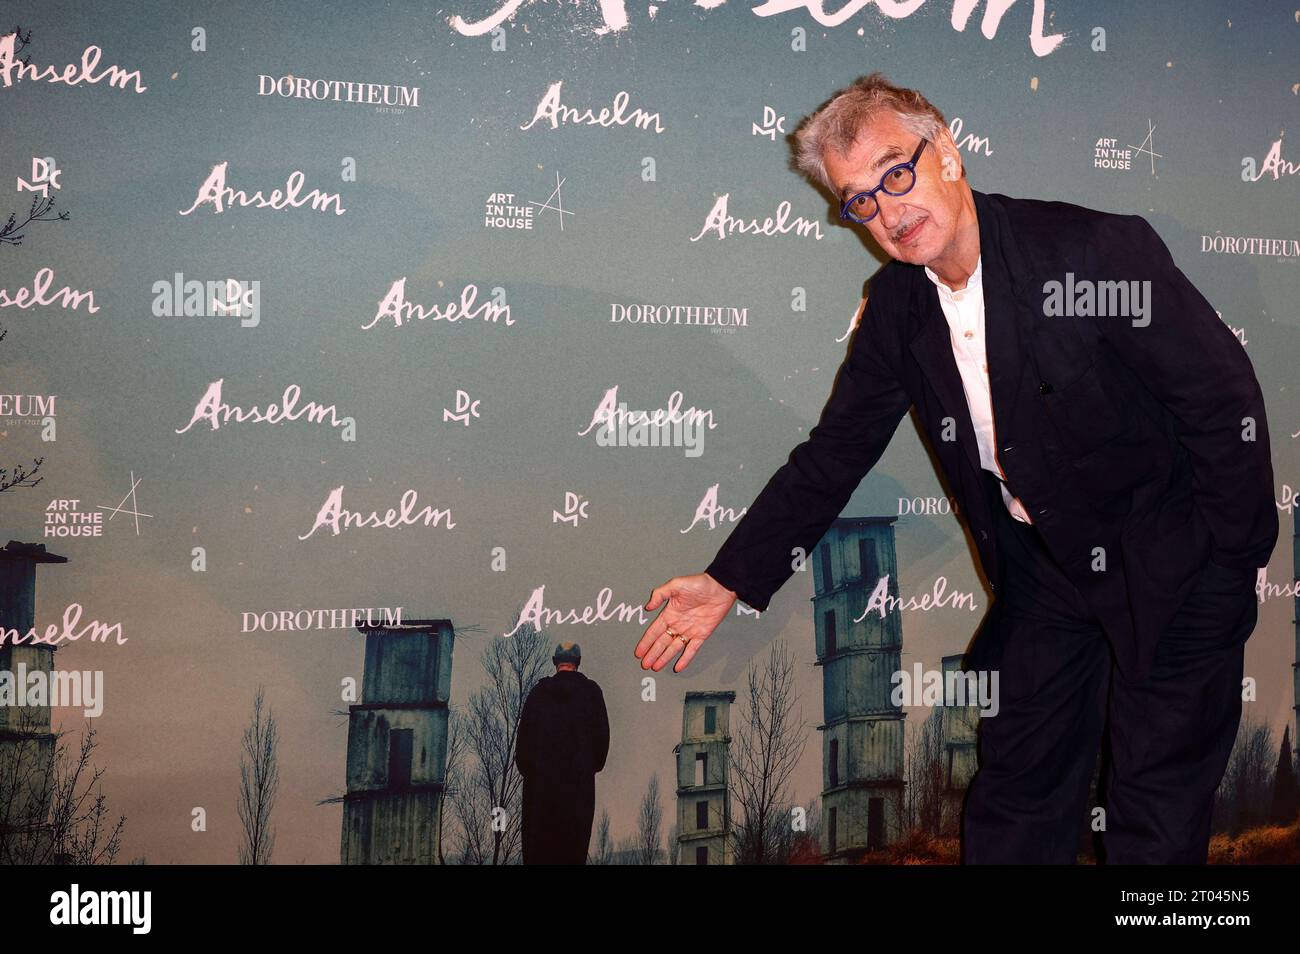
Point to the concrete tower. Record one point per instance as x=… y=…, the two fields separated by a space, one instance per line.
x=703 y=800
x=397 y=746
x=862 y=730
x=26 y=741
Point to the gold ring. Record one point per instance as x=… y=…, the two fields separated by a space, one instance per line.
x=669 y=631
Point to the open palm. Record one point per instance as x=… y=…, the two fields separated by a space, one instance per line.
x=695 y=606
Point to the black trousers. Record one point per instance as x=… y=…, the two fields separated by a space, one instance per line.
x=1059 y=693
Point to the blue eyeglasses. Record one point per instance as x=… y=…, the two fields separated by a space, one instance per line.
x=897 y=180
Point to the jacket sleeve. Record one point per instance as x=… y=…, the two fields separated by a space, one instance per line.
x=807 y=493
x=599 y=730
x=1192 y=363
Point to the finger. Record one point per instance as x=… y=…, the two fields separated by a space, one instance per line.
x=651 y=635
x=671 y=650
x=692 y=648
x=662 y=644
x=653 y=631
x=659 y=593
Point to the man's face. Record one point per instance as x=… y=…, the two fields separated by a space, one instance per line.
x=918 y=227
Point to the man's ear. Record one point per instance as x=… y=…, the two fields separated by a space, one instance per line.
x=951 y=167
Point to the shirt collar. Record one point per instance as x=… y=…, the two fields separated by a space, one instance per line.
x=972 y=282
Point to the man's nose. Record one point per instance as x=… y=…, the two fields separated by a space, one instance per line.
x=891 y=211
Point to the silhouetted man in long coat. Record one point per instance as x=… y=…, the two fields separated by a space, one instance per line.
x=563 y=741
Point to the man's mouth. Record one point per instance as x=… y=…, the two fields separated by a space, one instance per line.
x=908 y=237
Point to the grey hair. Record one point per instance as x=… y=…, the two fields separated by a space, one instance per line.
x=839 y=123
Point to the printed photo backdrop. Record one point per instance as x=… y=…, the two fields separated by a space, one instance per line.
x=440 y=239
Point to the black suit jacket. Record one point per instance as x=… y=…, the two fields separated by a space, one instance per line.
x=1125 y=442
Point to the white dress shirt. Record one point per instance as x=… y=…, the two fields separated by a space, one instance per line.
x=965 y=313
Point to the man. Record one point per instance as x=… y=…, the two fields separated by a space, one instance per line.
x=563 y=741
x=1111 y=463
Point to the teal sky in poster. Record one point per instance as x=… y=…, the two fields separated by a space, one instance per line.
x=617 y=213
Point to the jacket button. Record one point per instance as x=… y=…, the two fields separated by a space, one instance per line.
x=984 y=534
x=1044 y=388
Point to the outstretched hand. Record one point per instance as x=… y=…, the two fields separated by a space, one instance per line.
x=696 y=605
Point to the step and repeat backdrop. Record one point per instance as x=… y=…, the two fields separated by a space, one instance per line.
x=314 y=316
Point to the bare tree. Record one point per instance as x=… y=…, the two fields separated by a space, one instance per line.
x=806 y=844
x=1242 y=800
x=604 y=851
x=42 y=207
x=923 y=799
x=470 y=835
x=494 y=789
x=627 y=851
x=783 y=843
x=648 y=824
x=11 y=234
x=1286 y=792
x=26 y=779
x=21 y=40
x=769 y=740
x=50 y=812
x=259 y=782
x=452 y=780
x=21 y=476
x=79 y=819
x=11 y=231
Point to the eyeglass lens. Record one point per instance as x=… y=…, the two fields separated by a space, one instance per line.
x=898 y=182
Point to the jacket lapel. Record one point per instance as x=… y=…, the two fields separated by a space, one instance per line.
x=932 y=348
x=1006 y=311
x=1006 y=317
